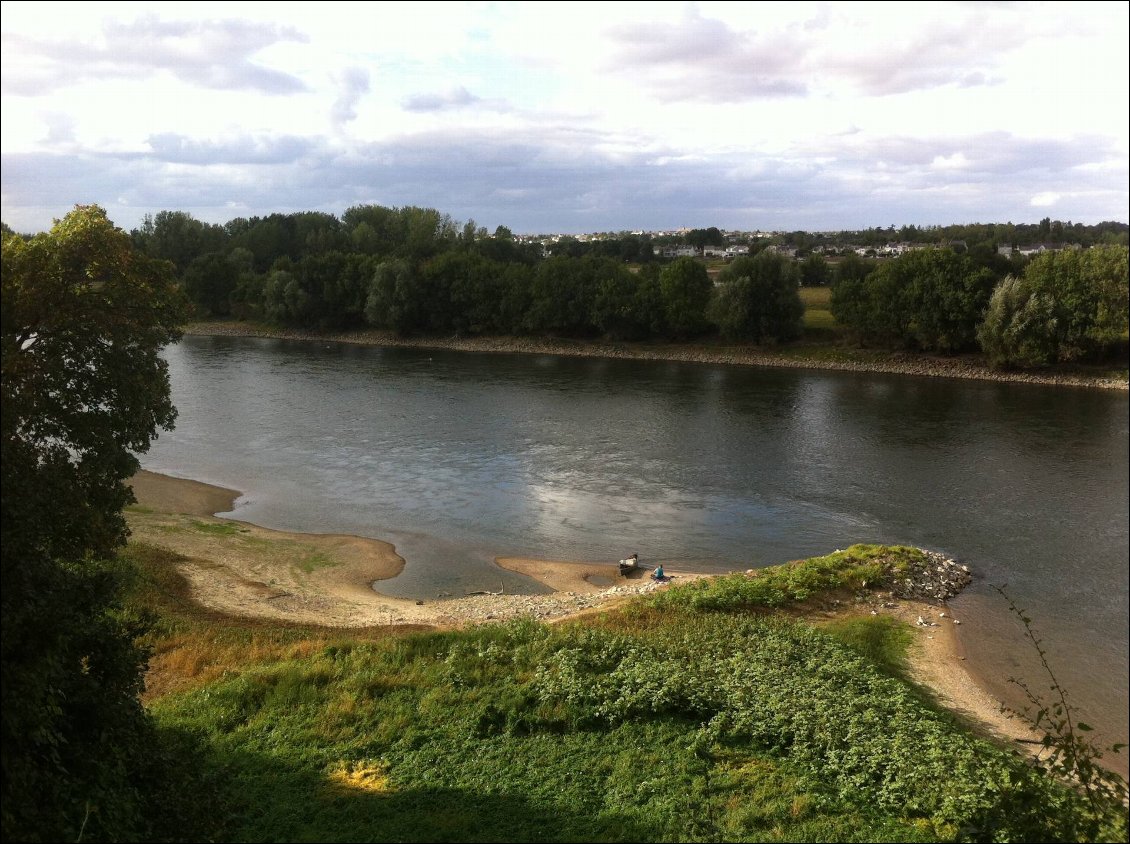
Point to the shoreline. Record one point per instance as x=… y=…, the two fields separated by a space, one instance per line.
x=892 y=363
x=244 y=570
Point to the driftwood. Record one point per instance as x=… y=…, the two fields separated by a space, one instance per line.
x=501 y=591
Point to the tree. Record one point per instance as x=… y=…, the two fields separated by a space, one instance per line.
x=209 y=282
x=929 y=298
x=561 y=296
x=84 y=389
x=814 y=271
x=758 y=300
x=615 y=310
x=178 y=237
x=686 y=288
x=1069 y=305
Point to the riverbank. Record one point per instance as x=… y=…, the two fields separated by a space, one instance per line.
x=244 y=570
x=793 y=357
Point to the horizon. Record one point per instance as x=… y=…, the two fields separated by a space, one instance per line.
x=570 y=118
x=671 y=231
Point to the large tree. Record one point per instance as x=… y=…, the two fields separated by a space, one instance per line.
x=758 y=299
x=686 y=289
x=83 y=319
x=1068 y=305
x=930 y=298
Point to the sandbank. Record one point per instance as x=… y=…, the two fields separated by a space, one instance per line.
x=245 y=570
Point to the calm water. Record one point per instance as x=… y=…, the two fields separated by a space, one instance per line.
x=458 y=458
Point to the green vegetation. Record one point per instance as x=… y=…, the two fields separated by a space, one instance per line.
x=1067 y=306
x=929 y=299
x=417 y=272
x=82 y=322
x=660 y=722
x=215 y=528
x=856 y=568
x=316 y=560
x=758 y=300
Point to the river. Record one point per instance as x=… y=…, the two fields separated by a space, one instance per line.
x=459 y=457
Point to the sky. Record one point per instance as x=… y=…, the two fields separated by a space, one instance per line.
x=572 y=117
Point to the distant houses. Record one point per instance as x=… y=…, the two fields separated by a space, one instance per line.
x=737 y=244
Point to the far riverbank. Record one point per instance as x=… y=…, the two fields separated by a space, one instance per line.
x=804 y=357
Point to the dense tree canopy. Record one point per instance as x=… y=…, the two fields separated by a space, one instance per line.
x=83 y=319
x=758 y=299
x=930 y=299
x=1067 y=306
x=686 y=289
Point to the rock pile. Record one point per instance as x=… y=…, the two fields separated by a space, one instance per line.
x=935 y=579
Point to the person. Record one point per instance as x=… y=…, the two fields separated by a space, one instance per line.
x=658 y=573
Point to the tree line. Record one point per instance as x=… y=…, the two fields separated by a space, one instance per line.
x=417 y=271
x=1063 y=307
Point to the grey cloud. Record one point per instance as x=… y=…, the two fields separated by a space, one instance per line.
x=181 y=149
x=986 y=154
x=703 y=59
x=548 y=178
x=455 y=98
x=960 y=51
x=354 y=84
x=211 y=54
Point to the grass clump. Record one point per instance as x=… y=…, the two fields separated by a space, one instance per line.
x=858 y=567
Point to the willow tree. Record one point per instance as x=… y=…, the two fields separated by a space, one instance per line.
x=83 y=319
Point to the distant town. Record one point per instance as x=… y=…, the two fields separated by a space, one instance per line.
x=1006 y=240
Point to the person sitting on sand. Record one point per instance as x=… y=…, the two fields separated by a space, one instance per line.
x=658 y=573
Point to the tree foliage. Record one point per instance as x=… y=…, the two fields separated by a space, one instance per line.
x=1068 y=305
x=83 y=319
x=758 y=299
x=930 y=299
x=686 y=289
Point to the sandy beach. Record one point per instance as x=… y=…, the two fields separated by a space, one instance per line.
x=244 y=570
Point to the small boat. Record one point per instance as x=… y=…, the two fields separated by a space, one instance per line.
x=629 y=565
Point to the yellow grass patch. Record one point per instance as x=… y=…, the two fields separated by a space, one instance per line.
x=371 y=777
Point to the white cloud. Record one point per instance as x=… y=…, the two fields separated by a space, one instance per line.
x=1044 y=200
x=213 y=54
x=354 y=84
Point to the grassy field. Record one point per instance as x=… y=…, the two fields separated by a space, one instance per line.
x=697 y=715
x=818 y=320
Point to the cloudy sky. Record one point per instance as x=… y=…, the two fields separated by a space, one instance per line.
x=570 y=117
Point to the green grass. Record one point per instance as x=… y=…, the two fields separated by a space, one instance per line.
x=669 y=722
x=316 y=560
x=217 y=528
x=854 y=568
x=881 y=640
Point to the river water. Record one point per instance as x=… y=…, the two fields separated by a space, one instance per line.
x=458 y=457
